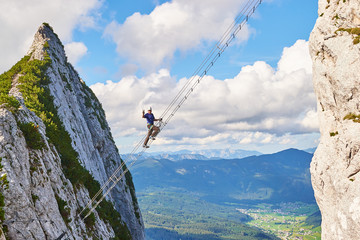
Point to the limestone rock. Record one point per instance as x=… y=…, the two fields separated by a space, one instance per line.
x=37 y=184
x=336 y=164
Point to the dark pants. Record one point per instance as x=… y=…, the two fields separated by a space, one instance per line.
x=153 y=131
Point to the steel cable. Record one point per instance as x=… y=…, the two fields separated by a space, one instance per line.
x=200 y=72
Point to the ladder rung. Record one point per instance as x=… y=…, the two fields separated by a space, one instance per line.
x=114 y=179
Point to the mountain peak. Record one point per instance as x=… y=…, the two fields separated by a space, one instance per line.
x=53 y=176
x=47 y=41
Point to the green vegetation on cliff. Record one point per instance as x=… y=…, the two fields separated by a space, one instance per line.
x=32 y=136
x=353 y=31
x=4 y=185
x=64 y=210
x=5 y=85
x=353 y=117
x=33 y=81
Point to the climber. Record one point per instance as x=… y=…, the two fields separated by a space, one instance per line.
x=152 y=129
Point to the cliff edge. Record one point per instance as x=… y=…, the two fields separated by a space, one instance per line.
x=56 y=150
x=335 y=51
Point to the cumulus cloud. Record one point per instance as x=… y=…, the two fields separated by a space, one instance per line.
x=20 y=19
x=75 y=51
x=310 y=120
x=151 y=39
x=263 y=102
x=256 y=138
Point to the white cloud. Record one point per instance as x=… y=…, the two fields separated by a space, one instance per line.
x=285 y=141
x=75 y=51
x=124 y=100
x=310 y=120
x=127 y=70
x=20 y=19
x=255 y=138
x=268 y=139
x=266 y=102
x=246 y=140
x=151 y=39
x=290 y=61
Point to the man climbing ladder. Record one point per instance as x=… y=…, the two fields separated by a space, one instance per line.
x=173 y=107
x=152 y=129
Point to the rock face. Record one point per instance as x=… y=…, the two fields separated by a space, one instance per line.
x=42 y=200
x=336 y=164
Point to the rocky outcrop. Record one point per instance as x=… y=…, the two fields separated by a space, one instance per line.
x=43 y=188
x=335 y=168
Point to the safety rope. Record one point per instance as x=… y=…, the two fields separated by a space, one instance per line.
x=203 y=69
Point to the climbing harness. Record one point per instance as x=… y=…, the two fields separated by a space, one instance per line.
x=175 y=104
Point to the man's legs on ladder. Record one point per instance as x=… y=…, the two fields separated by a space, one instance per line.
x=156 y=130
x=148 y=136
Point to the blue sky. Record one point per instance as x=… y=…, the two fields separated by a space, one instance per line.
x=278 y=24
x=258 y=96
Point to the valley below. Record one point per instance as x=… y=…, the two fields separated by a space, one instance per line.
x=259 y=197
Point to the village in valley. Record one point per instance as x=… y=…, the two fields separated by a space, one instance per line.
x=287 y=221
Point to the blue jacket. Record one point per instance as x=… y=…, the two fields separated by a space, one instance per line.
x=150 y=118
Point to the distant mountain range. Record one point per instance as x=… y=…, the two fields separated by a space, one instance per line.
x=278 y=177
x=208 y=154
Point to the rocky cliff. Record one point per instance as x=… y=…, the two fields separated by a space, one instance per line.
x=335 y=168
x=56 y=150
